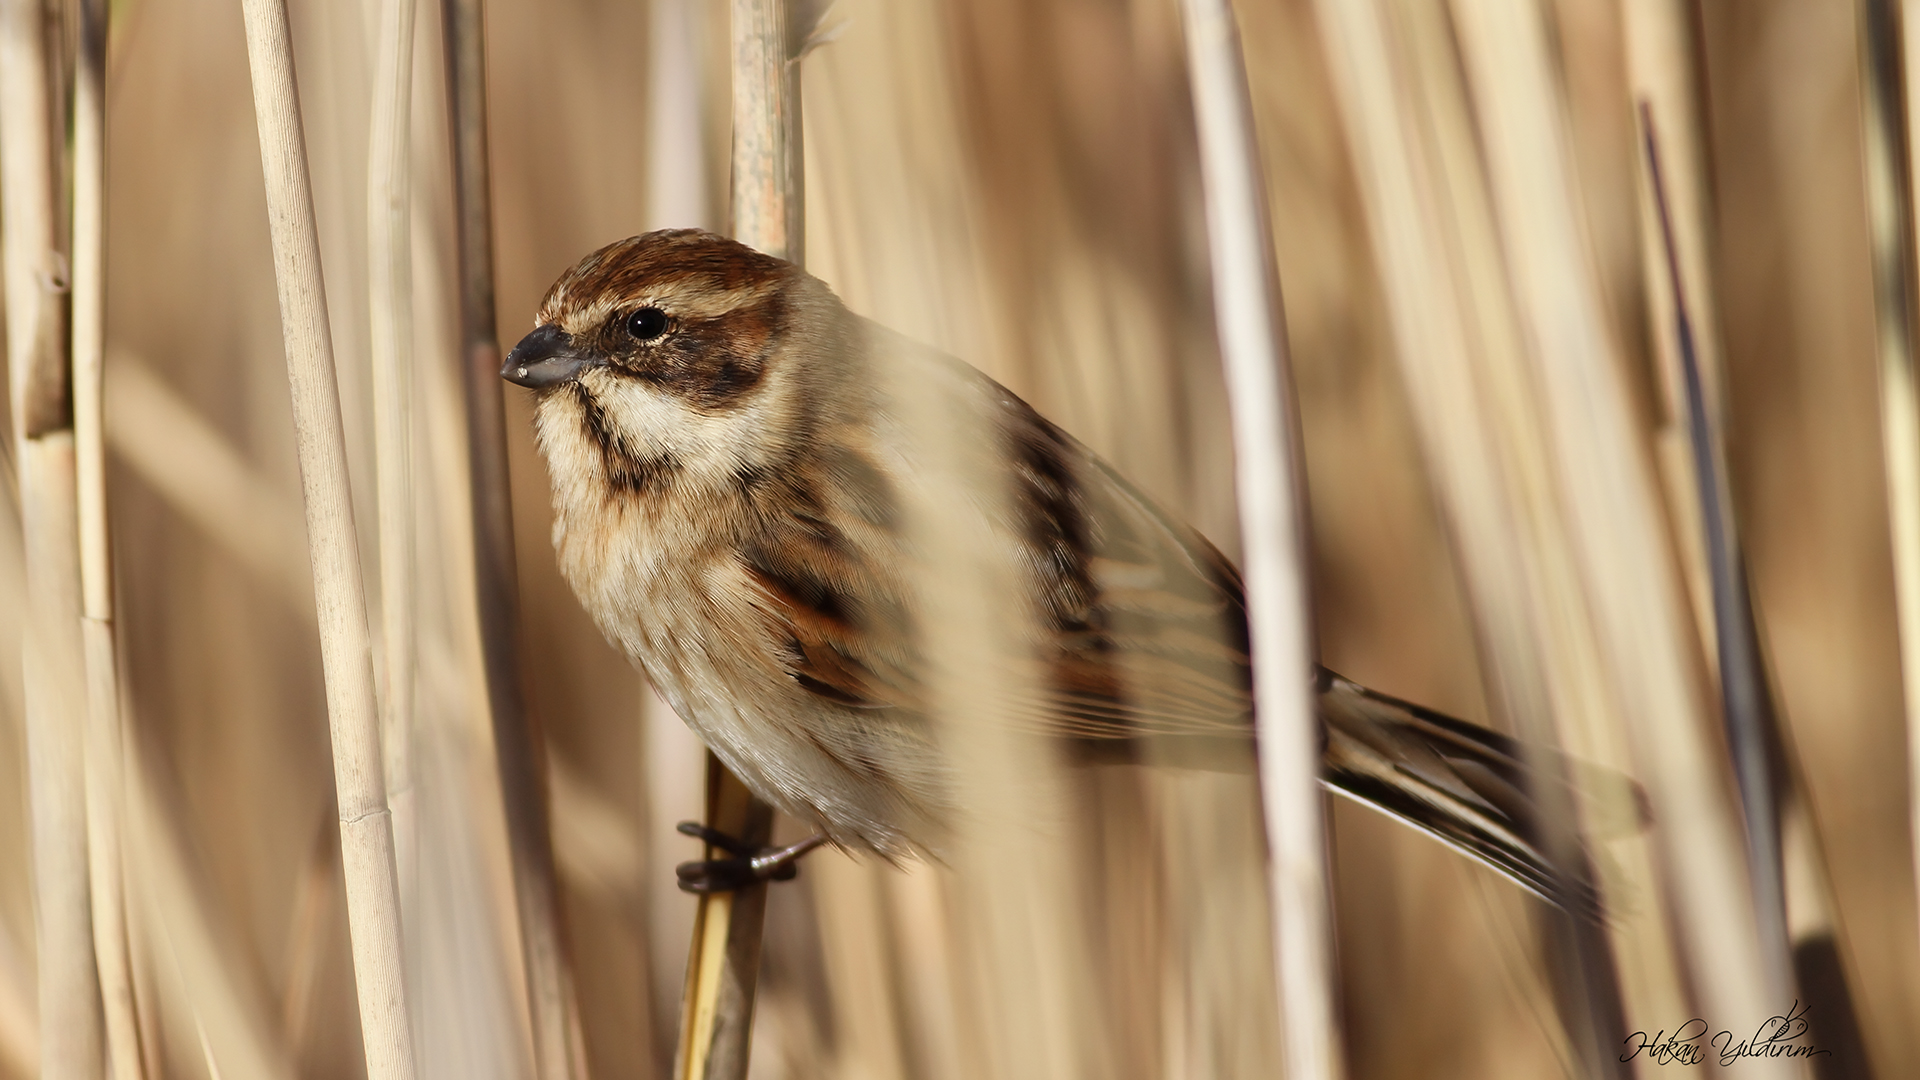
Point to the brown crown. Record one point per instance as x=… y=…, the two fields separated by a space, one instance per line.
x=634 y=266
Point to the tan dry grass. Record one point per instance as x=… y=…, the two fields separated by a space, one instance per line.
x=1046 y=148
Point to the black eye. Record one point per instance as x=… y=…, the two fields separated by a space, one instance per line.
x=647 y=323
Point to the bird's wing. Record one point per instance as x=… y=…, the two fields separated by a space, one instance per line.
x=1136 y=627
x=1150 y=661
x=835 y=609
x=1148 y=625
x=1140 y=653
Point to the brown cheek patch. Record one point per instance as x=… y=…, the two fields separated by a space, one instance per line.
x=716 y=363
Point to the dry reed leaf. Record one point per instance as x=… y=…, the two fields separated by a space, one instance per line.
x=1792 y=261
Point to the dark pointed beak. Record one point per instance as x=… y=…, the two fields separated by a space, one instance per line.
x=543 y=358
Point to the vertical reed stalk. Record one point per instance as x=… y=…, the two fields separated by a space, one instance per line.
x=558 y=1050
x=35 y=276
x=1792 y=885
x=1791 y=876
x=1267 y=472
x=723 y=962
x=1662 y=76
x=1461 y=351
x=1752 y=739
x=1686 y=346
x=769 y=196
x=1663 y=73
x=1621 y=555
x=1889 y=175
x=366 y=835
x=105 y=760
x=390 y=317
x=768 y=213
x=19 y=1020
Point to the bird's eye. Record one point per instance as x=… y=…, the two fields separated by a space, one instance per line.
x=647 y=323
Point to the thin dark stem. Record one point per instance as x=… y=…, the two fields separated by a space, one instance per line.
x=1746 y=709
x=519 y=751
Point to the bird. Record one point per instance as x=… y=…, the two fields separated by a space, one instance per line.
x=732 y=471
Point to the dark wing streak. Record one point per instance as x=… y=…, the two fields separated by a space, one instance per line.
x=1074 y=512
x=839 y=632
x=824 y=670
x=1459 y=783
x=1358 y=771
x=1505 y=765
x=1531 y=873
x=1162 y=652
x=818 y=654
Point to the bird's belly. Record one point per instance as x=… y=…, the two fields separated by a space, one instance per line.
x=864 y=777
x=858 y=778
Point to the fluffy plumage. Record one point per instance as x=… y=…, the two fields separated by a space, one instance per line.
x=728 y=477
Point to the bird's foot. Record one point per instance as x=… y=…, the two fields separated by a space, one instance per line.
x=750 y=865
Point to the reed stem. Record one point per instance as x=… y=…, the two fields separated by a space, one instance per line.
x=1461 y=351
x=366 y=835
x=519 y=753
x=105 y=759
x=723 y=963
x=44 y=453
x=1891 y=218
x=769 y=194
x=768 y=213
x=1620 y=557
x=390 y=317
x=1747 y=713
x=1267 y=480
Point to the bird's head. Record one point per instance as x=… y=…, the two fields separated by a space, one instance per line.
x=680 y=359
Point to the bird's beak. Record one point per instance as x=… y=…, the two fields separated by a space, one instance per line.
x=544 y=358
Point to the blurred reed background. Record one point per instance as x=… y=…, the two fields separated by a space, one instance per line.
x=1015 y=181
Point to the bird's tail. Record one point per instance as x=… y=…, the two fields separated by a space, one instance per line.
x=1468 y=787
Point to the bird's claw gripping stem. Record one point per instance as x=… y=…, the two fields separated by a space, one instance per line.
x=750 y=865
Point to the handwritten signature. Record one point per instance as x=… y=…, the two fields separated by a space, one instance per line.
x=1774 y=1038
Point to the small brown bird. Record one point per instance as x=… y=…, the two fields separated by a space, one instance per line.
x=728 y=476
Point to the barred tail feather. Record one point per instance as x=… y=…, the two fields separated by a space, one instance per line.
x=1461 y=784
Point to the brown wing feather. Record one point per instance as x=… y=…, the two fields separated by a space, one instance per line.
x=1142 y=630
x=1142 y=649
x=816 y=643
x=1146 y=634
x=1150 y=661
x=839 y=630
